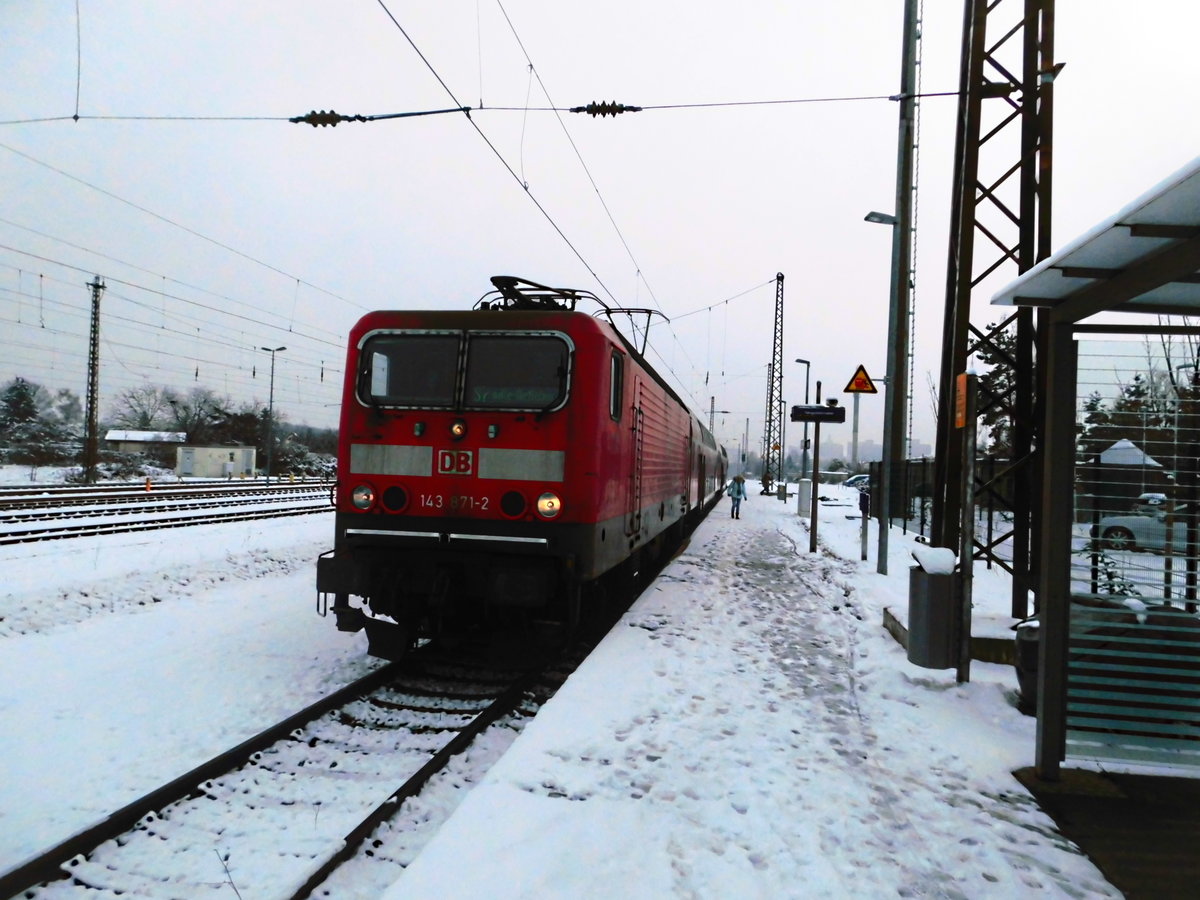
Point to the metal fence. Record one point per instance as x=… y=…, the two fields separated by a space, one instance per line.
x=1133 y=660
x=912 y=502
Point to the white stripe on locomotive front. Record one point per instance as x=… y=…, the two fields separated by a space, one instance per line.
x=495 y=463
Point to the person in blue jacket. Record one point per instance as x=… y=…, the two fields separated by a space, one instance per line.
x=737 y=493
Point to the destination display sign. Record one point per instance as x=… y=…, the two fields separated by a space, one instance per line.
x=818 y=414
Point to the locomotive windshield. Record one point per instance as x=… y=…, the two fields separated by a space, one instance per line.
x=510 y=371
x=411 y=369
x=515 y=371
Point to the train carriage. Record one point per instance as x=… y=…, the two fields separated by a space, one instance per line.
x=493 y=464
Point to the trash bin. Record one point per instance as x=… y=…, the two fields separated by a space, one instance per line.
x=932 y=612
x=804 y=498
x=1028 y=641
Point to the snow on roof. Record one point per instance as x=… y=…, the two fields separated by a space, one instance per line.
x=148 y=437
x=1126 y=453
x=1164 y=220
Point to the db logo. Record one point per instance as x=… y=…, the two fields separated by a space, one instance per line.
x=454 y=462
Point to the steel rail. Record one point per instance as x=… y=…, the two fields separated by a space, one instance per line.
x=39 y=489
x=31 y=500
x=45 y=866
x=96 y=529
x=132 y=505
x=505 y=704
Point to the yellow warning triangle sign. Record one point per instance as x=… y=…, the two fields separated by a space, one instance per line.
x=861 y=383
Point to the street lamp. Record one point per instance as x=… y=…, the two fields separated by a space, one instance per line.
x=804 y=447
x=897 y=389
x=271 y=408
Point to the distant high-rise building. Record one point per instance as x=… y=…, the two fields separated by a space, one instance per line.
x=869 y=451
x=831 y=450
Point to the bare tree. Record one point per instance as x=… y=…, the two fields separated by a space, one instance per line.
x=199 y=413
x=143 y=408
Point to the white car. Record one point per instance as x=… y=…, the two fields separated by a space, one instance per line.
x=862 y=482
x=1147 y=530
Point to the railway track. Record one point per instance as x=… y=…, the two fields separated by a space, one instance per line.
x=281 y=812
x=33 y=498
x=85 y=515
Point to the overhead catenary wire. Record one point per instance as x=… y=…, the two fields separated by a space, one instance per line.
x=332 y=118
x=252 y=319
x=579 y=156
x=527 y=108
x=712 y=306
x=496 y=152
x=174 y=224
x=160 y=292
x=221 y=349
x=525 y=188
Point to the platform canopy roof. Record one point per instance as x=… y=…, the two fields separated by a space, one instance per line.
x=1144 y=259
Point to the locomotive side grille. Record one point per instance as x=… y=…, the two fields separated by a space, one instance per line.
x=659 y=455
x=390 y=459
x=521 y=465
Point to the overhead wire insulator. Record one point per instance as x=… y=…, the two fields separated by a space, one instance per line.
x=611 y=108
x=323 y=118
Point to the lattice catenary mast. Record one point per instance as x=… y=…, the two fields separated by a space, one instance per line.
x=773 y=418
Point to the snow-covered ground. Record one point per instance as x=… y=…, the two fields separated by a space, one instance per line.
x=748 y=729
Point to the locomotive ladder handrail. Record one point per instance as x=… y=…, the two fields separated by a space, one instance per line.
x=635 y=471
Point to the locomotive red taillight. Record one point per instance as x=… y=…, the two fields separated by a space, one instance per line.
x=513 y=504
x=395 y=499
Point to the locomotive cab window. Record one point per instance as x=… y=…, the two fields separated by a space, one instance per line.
x=616 y=386
x=516 y=371
x=410 y=370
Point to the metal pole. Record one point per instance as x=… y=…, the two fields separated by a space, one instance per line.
x=271 y=409
x=895 y=401
x=812 y=508
x=890 y=403
x=854 y=435
x=966 y=529
x=91 y=447
x=804 y=450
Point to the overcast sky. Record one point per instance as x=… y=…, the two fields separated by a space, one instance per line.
x=216 y=238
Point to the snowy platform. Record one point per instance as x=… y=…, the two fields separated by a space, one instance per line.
x=750 y=729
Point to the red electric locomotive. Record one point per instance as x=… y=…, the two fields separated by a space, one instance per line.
x=494 y=463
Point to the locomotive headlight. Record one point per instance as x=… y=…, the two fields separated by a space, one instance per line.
x=458 y=429
x=548 y=505
x=363 y=496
